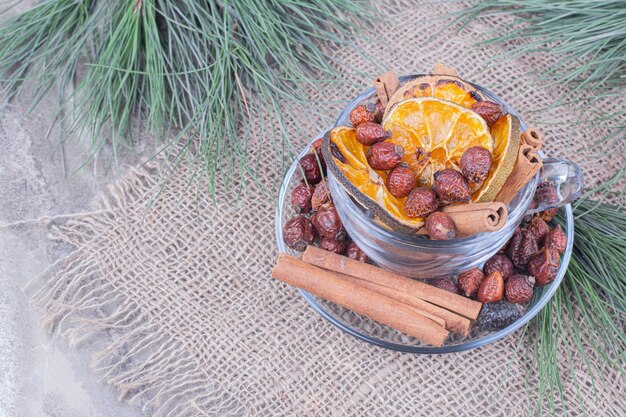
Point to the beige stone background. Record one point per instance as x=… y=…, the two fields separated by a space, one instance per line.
x=276 y=356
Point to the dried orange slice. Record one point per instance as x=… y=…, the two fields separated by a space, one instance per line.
x=506 y=135
x=434 y=134
x=349 y=166
x=445 y=87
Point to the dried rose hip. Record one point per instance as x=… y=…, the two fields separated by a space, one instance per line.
x=321 y=195
x=488 y=110
x=538 y=228
x=401 y=181
x=301 y=198
x=556 y=239
x=440 y=226
x=333 y=245
x=298 y=233
x=445 y=284
x=421 y=202
x=316 y=146
x=491 y=289
x=311 y=168
x=363 y=113
x=527 y=249
x=354 y=252
x=369 y=133
x=383 y=156
x=514 y=245
x=469 y=281
x=327 y=222
x=519 y=288
x=451 y=186
x=547 y=194
x=548 y=215
x=475 y=165
x=544 y=266
x=500 y=263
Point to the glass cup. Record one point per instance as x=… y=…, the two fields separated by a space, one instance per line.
x=420 y=257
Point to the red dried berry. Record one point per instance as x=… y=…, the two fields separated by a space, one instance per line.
x=451 y=186
x=475 y=165
x=491 y=289
x=421 y=202
x=354 y=252
x=298 y=233
x=311 y=168
x=488 y=110
x=369 y=133
x=557 y=239
x=527 y=249
x=401 y=181
x=316 y=146
x=544 y=266
x=331 y=244
x=548 y=215
x=327 y=222
x=514 y=246
x=445 y=284
x=383 y=156
x=301 y=198
x=500 y=263
x=469 y=281
x=519 y=288
x=321 y=195
x=538 y=228
x=440 y=226
x=362 y=114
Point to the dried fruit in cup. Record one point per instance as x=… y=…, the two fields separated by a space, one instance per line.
x=298 y=233
x=301 y=198
x=445 y=284
x=363 y=113
x=501 y=264
x=451 y=186
x=440 y=226
x=312 y=168
x=491 y=289
x=384 y=156
x=421 y=202
x=557 y=239
x=519 y=288
x=475 y=166
x=354 y=252
x=321 y=195
x=400 y=181
x=327 y=222
x=544 y=266
x=538 y=228
x=369 y=133
x=498 y=315
x=332 y=244
x=488 y=110
x=469 y=281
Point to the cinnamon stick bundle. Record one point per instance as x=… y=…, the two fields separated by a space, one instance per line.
x=331 y=287
x=386 y=85
x=366 y=272
x=528 y=163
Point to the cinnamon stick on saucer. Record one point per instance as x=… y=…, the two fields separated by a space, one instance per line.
x=337 y=263
x=386 y=85
x=329 y=286
x=528 y=163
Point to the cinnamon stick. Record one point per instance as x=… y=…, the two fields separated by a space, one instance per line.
x=528 y=163
x=451 y=321
x=337 y=263
x=474 y=218
x=532 y=137
x=331 y=287
x=386 y=85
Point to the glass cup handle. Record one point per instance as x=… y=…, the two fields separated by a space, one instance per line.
x=560 y=183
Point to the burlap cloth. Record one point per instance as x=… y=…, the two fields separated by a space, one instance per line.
x=178 y=309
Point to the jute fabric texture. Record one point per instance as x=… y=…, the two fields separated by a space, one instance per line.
x=177 y=308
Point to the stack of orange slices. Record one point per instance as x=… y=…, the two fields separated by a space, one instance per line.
x=431 y=118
